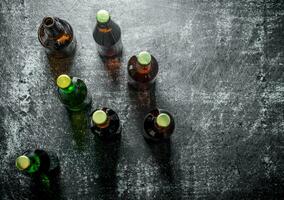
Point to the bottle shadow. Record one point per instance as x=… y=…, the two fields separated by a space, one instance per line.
x=161 y=151
x=79 y=126
x=144 y=100
x=107 y=155
x=60 y=66
x=112 y=66
x=46 y=187
x=168 y=171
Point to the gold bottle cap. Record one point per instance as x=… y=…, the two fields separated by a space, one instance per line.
x=102 y=16
x=163 y=120
x=99 y=117
x=23 y=162
x=63 y=81
x=144 y=58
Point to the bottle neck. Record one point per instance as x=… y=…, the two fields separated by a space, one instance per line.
x=35 y=164
x=104 y=125
x=71 y=88
x=52 y=27
x=105 y=27
x=143 y=69
x=160 y=127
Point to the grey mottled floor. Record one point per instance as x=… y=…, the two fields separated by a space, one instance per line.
x=221 y=76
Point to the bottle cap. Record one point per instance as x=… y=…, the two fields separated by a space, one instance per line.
x=63 y=81
x=163 y=120
x=102 y=16
x=99 y=117
x=144 y=58
x=23 y=162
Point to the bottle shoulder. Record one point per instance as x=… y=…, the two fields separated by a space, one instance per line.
x=77 y=83
x=41 y=161
x=111 y=114
x=152 y=131
x=62 y=39
x=133 y=70
x=113 y=128
x=107 y=35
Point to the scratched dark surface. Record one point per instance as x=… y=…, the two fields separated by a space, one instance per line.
x=221 y=76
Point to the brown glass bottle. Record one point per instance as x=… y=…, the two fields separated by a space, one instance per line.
x=57 y=36
x=142 y=70
x=105 y=124
x=158 y=125
x=107 y=35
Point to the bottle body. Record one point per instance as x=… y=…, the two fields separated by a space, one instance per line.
x=152 y=131
x=110 y=129
x=142 y=77
x=41 y=162
x=75 y=97
x=57 y=37
x=108 y=39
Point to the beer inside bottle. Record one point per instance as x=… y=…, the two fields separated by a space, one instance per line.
x=142 y=70
x=73 y=92
x=107 y=35
x=105 y=124
x=57 y=36
x=158 y=125
x=37 y=161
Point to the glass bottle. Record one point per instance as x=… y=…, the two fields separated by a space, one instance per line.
x=73 y=93
x=142 y=70
x=158 y=125
x=37 y=162
x=107 y=35
x=105 y=123
x=57 y=36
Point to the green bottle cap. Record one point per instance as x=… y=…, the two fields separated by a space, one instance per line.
x=144 y=58
x=102 y=16
x=22 y=162
x=99 y=117
x=63 y=81
x=163 y=120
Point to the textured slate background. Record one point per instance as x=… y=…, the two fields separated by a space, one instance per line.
x=221 y=75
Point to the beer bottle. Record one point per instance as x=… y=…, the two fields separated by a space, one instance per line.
x=37 y=162
x=73 y=93
x=105 y=124
x=107 y=35
x=158 y=125
x=142 y=70
x=57 y=36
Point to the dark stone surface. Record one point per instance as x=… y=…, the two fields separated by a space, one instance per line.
x=221 y=76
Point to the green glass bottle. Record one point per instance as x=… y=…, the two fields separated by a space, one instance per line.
x=37 y=162
x=105 y=123
x=158 y=125
x=142 y=70
x=73 y=93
